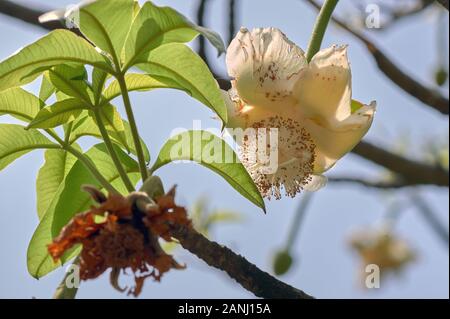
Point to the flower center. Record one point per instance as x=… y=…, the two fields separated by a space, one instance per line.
x=285 y=161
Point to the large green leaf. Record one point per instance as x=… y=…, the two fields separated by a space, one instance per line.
x=60 y=112
x=214 y=153
x=155 y=26
x=57 y=47
x=70 y=200
x=140 y=82
x=19 y=103
x=57 y=165
x=106 y=23
x=180 y=64
x=15 y=141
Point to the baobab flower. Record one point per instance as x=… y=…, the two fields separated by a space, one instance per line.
x=311 y=104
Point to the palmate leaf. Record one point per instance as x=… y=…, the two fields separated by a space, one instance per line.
x=15 y=141
x=56 y=166
x=214 y=153
x=155 y=26
x=70 y=200
x=59 y=113
x=19 y=103
x=183 y=66
x=57 y=47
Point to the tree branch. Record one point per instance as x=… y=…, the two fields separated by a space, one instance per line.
x=260 y=283
x=444 y=3
x=411 y=172
x=424 y=94
x=26 y=14
x=30 y=15
x=231 y=20
x=396 y=13
x=381 y=185
x=201 y=22
x=430 y=217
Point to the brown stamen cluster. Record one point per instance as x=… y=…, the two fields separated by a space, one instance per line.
x=123 y=233
x=296 y=156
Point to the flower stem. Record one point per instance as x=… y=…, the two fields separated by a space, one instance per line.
x=298 y=219
x=63 y=291
x=112 y=152
x=133 y=127
x=320 y=27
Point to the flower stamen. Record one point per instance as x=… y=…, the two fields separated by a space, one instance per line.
x=296 y=156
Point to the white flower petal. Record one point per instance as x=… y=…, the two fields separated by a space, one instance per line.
x=240 y=53
x=324 y=87
x=317 y=182
x=241 y=115
x=331 y=145
x=265 y=66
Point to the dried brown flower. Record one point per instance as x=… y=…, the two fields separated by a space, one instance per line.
x=125 y=237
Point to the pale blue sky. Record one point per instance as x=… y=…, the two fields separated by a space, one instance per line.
x=328 y=268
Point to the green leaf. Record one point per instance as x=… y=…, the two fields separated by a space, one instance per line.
x=140 y=82
x=59 y=113
x=19 y=103
x=86 y=126
x=71 y=80
x=106 y=23
x=114 y=124
x=56 y=167
x=57 y=47
x=221 y=216
x=99 y=78
x=47 y=89
x=180 y=64
x=214 y=153
x=70 y=200
x=129 y=138
x=15 y=141
x=155 y=26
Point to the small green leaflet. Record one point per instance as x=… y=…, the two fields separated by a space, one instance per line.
x=57 y=47
x=183 y=66
x=155 y=26
x=15 y=141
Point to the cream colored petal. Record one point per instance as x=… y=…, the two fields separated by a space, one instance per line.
x=240 y=54
x=317 y=182
x=241 y=115
x=331 y=145
x=265 y=66
x=324 y=87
